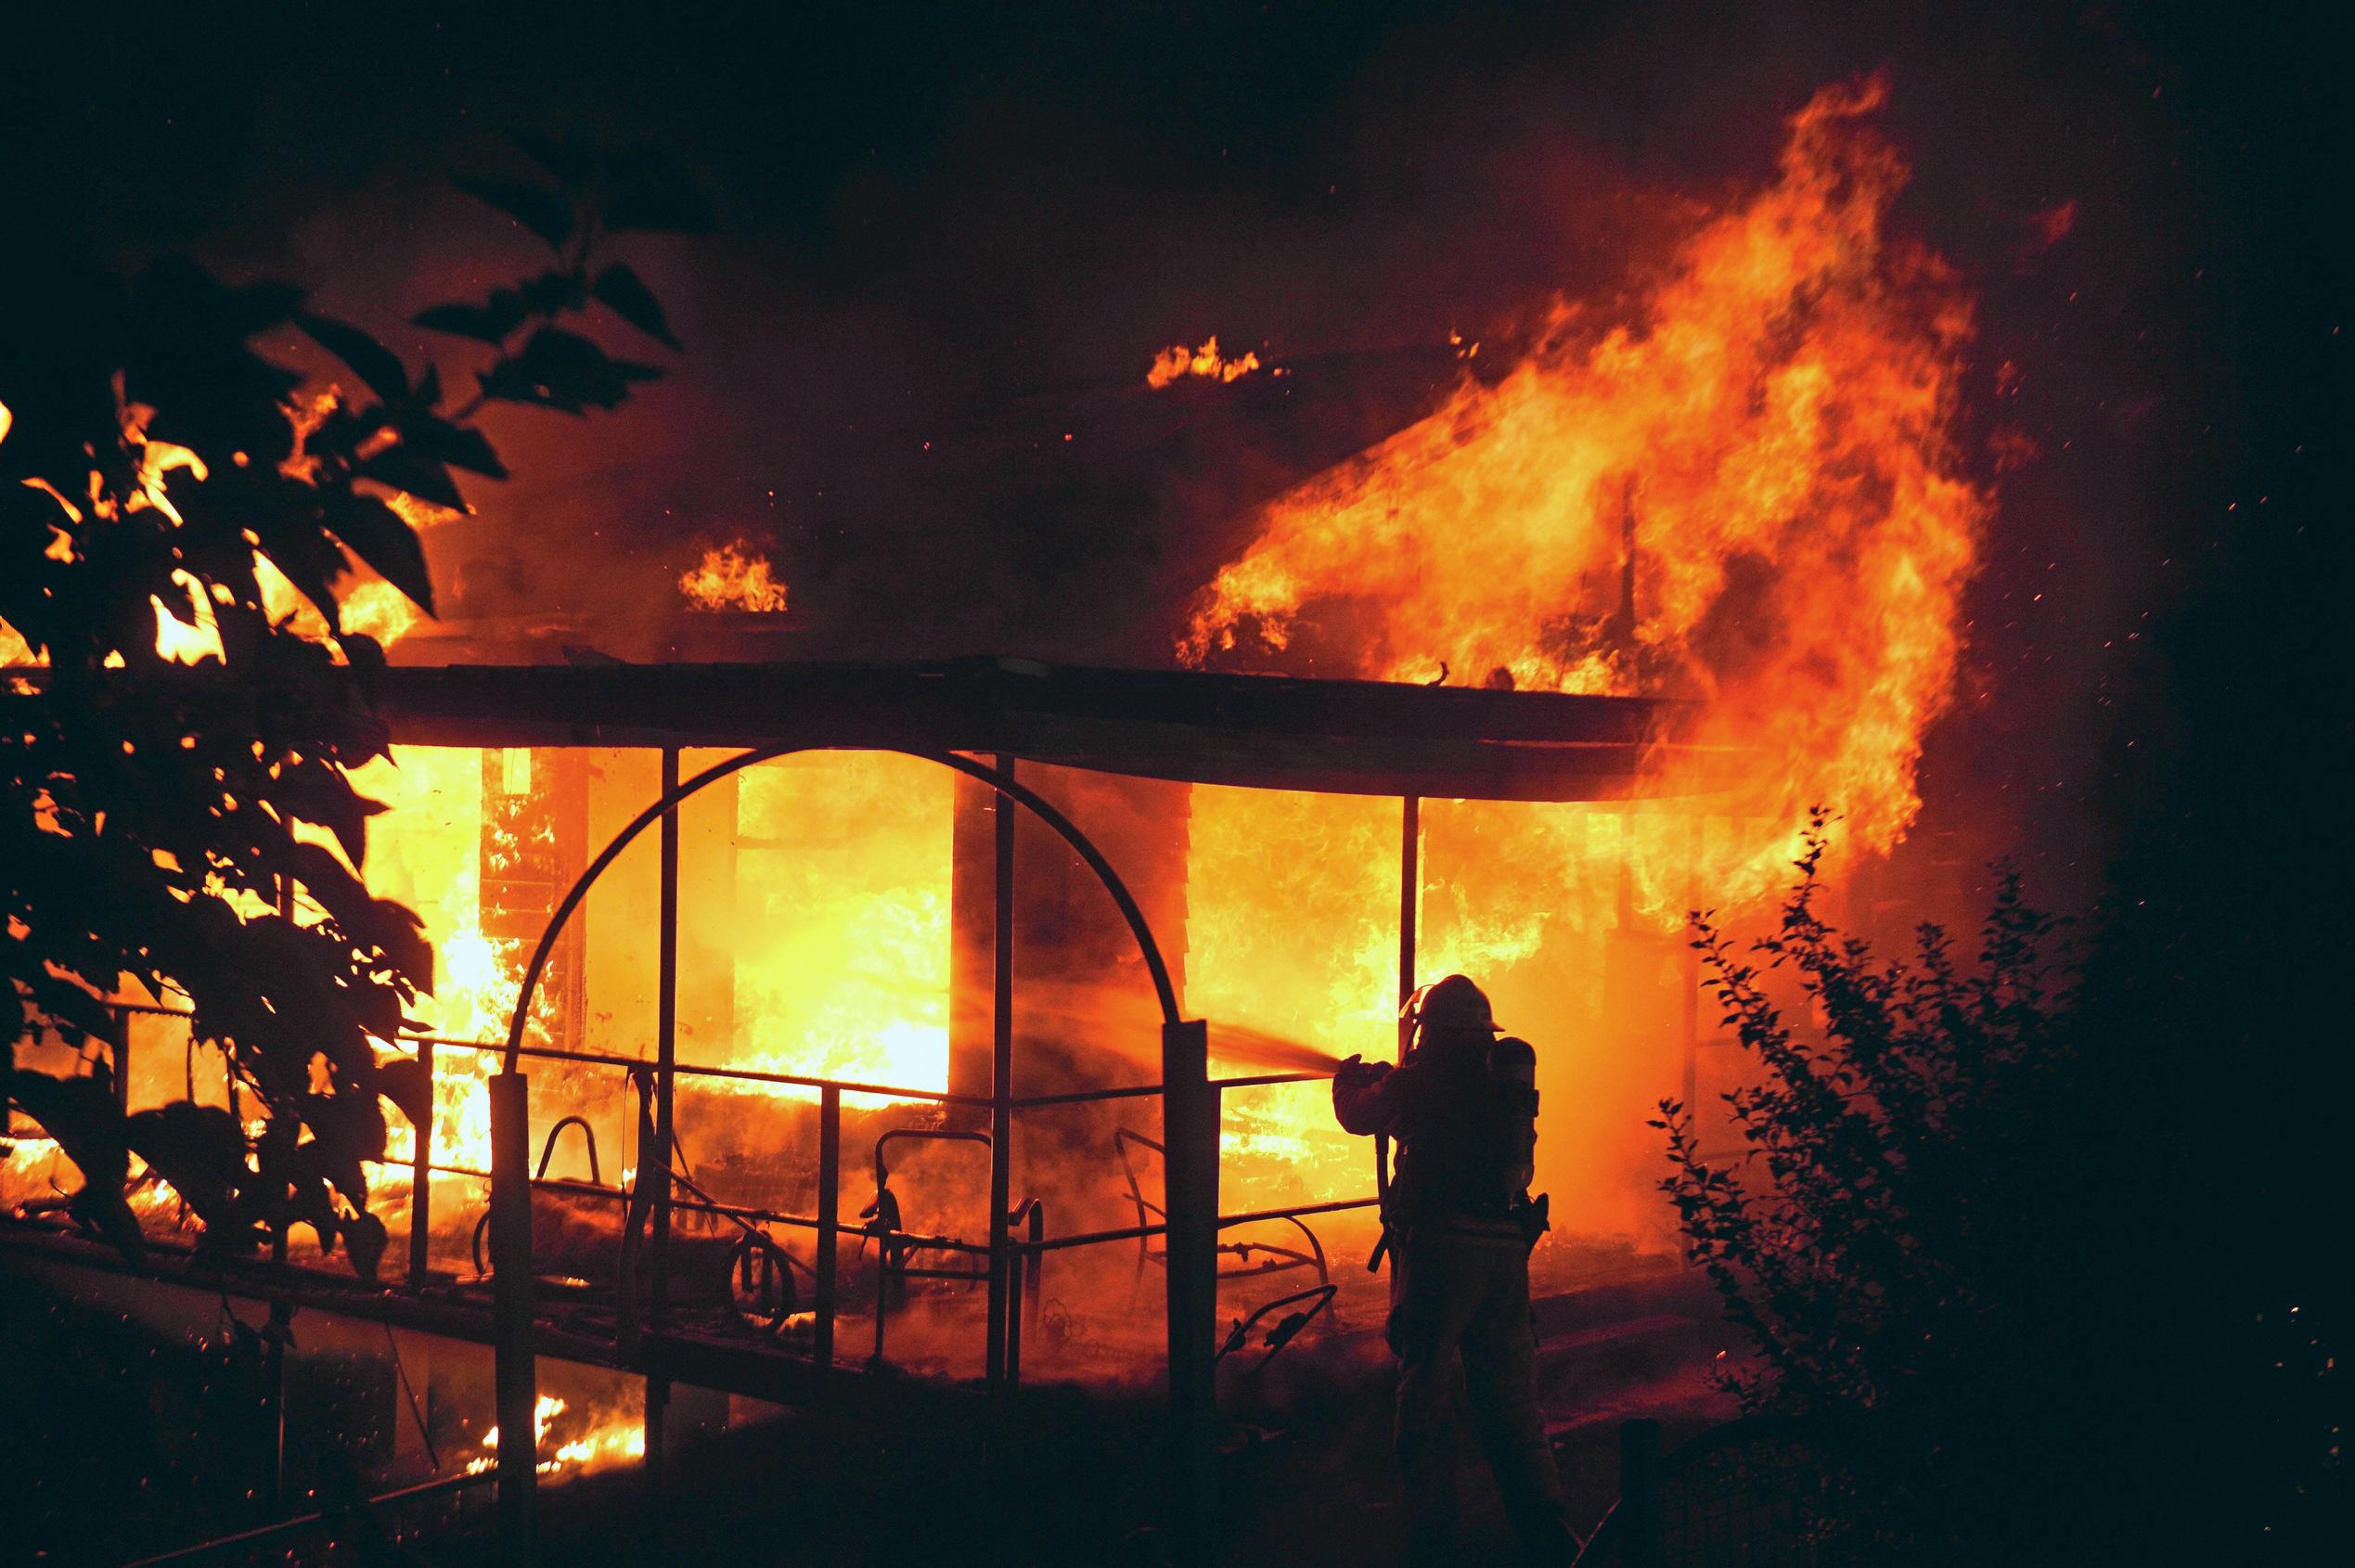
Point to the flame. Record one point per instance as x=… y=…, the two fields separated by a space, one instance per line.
x=1744 y=491
x=375 y=607
x=842 y=968
x=426 y=850
x=189 y=640
x=731 y=578
x=613 y=1440
x=1772 y=427
x=14 y=651
x=1178 y=361
x=32 y=1165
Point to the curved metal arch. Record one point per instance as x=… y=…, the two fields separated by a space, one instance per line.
x=1005 y=785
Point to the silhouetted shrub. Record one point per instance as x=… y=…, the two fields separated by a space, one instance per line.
x=1896 y=1235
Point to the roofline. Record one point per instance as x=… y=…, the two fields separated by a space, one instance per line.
x=1347 y=736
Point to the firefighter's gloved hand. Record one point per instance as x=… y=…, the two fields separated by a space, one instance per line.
x=1355 y=1071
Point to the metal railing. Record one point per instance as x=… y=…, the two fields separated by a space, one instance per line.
x=441 y=1506
x=1189 y=1220
x=1013 y=1267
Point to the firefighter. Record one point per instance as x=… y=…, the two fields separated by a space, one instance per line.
x=1459 y=1223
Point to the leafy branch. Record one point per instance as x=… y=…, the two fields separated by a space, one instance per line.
x=180 y=822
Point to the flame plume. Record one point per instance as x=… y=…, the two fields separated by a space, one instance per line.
x=1745 y=493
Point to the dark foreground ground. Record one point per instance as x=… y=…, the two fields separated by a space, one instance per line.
x=122 y=1440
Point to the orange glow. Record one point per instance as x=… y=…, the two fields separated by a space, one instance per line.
x=839 y=954
x=731 y=578
x=1176 y=362
x=187 y=639
x=842 y=966
x=1743 y=489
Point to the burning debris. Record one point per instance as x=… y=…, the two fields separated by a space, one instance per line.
x=1176 y=362
x=731 y=577
x=584 y=1445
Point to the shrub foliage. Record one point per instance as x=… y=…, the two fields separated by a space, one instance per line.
x=1894 y=1231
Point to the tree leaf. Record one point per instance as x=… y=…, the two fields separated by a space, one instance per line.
x=105 y=1210
x=318 y=792
x=628 y=296
x=377 y=535
x=565 y=371
x=402 y=936
x=364 y=1243
x=431 y=436
x=570 y=159
x=415 y=473
x=366 y=657
x=199 y=1150
x=487 y=323
x=369 y=360
x=545 y=212
x=402 y=1080
x=84 y=1117
x=340 y=893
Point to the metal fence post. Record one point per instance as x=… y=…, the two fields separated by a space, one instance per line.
x=421 y=1173
x=829 y=1199
x=1189 y=1132
x=1022 y=1291
x=118 y=1044
x=516 y=1376
x=658 y=1383
x=1001 y=1074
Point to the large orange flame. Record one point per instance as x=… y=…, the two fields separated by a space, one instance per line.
x=1744 y=491
x=1769 y=431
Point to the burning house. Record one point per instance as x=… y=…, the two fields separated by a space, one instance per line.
x=922 y=1063
x=796 y=1022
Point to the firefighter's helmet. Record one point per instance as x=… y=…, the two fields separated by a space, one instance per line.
x=1451 y=1006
